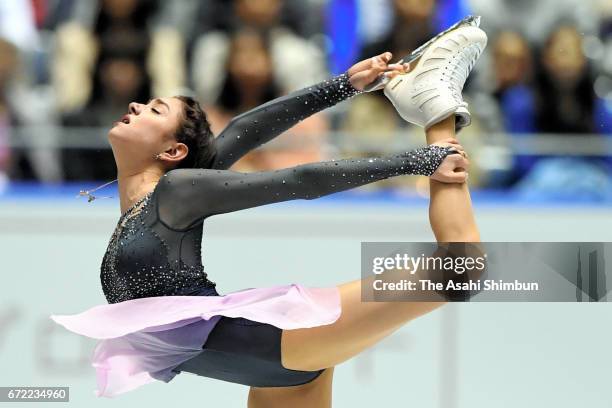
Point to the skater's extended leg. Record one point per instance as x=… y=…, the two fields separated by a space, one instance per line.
x=363 y=324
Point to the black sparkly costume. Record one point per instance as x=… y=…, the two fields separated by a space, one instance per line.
x=155 y=249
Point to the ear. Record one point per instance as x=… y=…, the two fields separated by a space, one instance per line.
x=177 y=152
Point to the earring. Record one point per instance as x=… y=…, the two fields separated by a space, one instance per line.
x=157 y=156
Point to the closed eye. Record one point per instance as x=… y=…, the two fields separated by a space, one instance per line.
x=155 y=110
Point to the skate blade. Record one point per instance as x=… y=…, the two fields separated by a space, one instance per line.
x=382 y=81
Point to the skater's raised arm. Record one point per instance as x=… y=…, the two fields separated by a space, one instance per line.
x=262 y=124
x=187 y=196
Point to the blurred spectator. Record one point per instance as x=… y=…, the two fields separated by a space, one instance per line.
x=23 y=107
x=119 y=80
x=8 y=66
x=372 y=114
x=250 y=82
x=295 y=61
x=512 y=85
x=412 y=26
x=376 y=16
x=504 y=102
x=26 y=101
x=508 y=101
x=601 y=49
x=101 y=25
x=565 y=105
x=250 y=79
x=565 y=86
x=561 y=97
x=535 y=19
x=119 y=77
x=257 y=60
x=302 y=17
x=119 y=74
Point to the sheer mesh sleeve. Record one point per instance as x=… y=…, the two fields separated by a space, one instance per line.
x=187 y=196
x=262 y=124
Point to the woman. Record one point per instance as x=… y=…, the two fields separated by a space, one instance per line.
x=251 y=80
x=165 y=315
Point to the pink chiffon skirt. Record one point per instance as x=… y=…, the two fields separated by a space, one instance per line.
x=142 y=340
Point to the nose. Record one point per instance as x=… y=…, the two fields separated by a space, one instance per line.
x=135 y=108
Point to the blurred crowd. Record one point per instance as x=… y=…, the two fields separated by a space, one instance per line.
x=73 y=65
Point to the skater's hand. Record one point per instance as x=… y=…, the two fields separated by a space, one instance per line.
x=367 y=71
x=454 y=168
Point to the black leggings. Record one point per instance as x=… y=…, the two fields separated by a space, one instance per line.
x=246 y=352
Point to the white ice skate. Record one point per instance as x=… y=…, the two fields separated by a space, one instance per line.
x=431 y=91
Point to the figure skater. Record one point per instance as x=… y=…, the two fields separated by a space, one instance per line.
x=165 y=316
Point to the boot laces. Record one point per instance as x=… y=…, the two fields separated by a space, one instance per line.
x=460 y=68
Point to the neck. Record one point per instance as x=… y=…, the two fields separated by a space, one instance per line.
x=132 y=187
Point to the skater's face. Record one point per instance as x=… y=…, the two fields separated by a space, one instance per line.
x=146 y=130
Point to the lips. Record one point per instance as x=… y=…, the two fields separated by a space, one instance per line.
x=125 y=119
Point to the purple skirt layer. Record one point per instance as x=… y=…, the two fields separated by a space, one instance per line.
x=143 y=339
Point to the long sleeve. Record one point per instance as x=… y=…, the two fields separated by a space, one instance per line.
x=262 y=124
x=187 y=196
